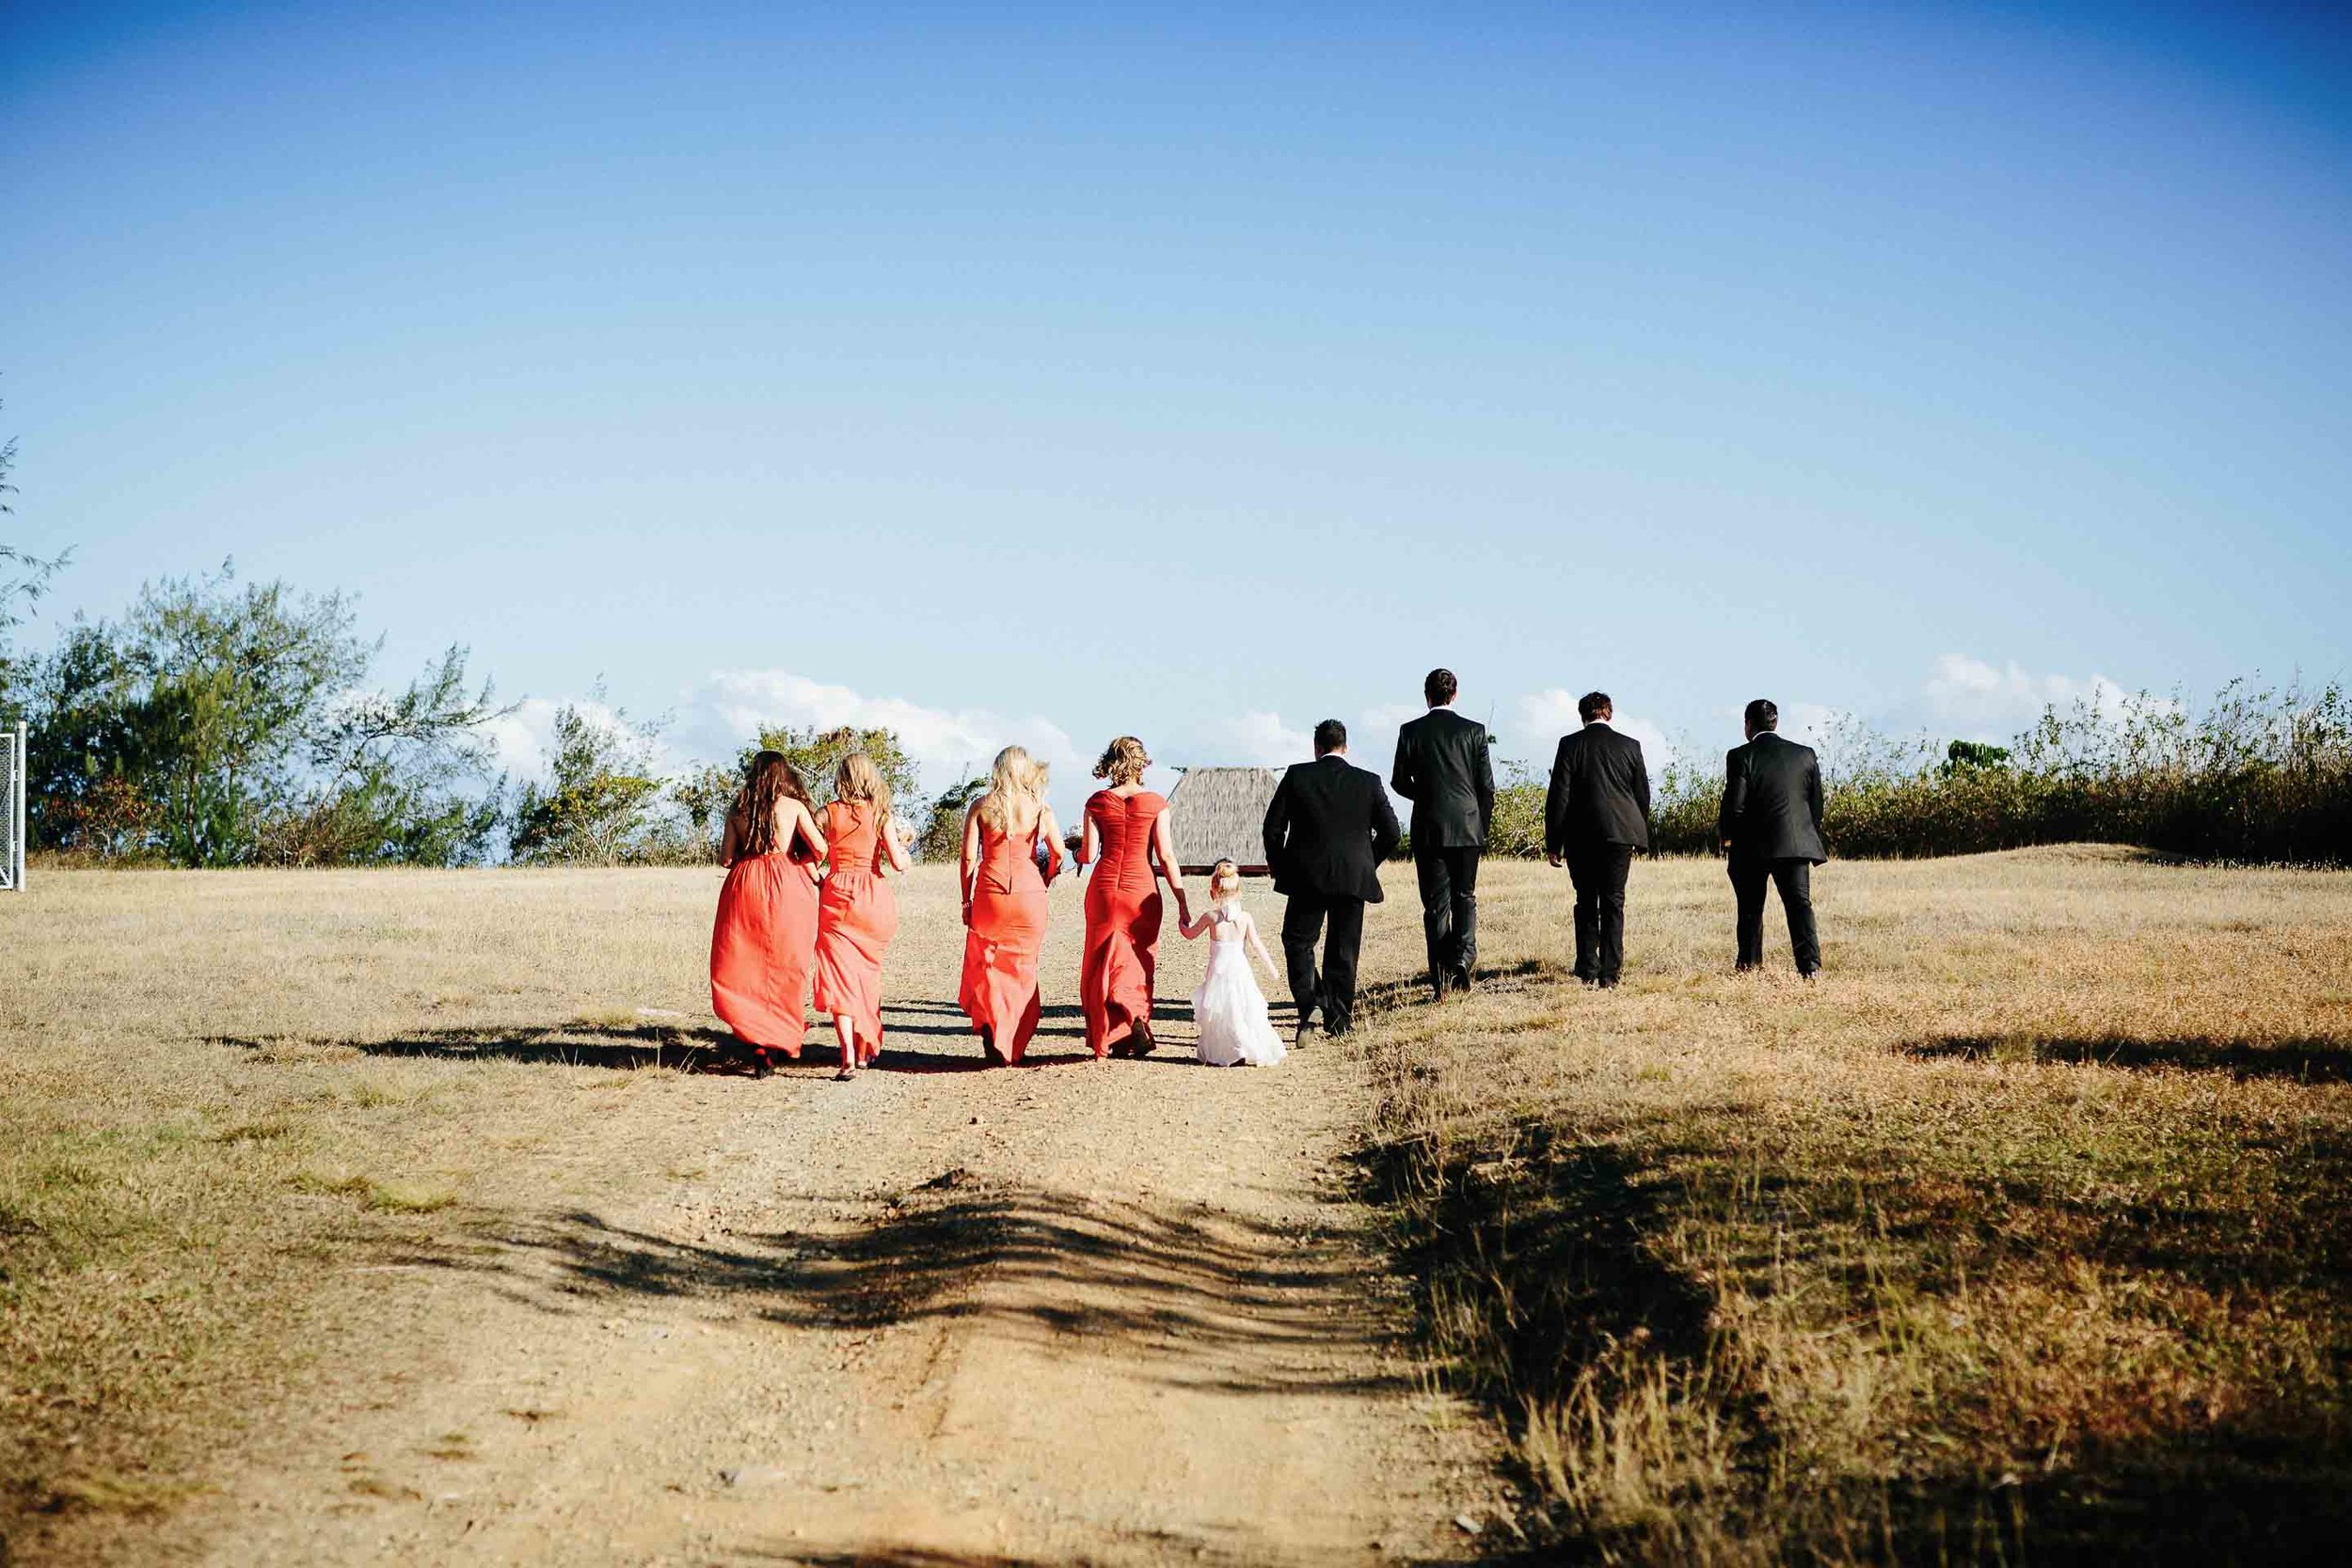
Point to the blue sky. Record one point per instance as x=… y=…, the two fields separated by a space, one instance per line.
x=1031 y=373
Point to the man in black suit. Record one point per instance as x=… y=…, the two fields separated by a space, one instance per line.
x=1596 y=814
x=1326 y=831
x=1443 y=767
x=1772 y=824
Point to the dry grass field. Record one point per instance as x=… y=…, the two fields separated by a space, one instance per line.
x=2020 y=1237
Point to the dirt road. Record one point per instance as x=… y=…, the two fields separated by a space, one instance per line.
x=1071 y=1312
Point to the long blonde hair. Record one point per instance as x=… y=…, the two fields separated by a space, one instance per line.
x=1015 y=775
x=1122 y=762
x=856 y=778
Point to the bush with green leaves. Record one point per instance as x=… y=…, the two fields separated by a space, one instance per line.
x=2263 y=775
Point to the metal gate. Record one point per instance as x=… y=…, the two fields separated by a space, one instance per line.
x=12 y=808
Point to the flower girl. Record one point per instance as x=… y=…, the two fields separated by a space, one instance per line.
x=1229 y=1007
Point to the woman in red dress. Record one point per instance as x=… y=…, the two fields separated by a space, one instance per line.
x=1004 y=903
x=857 y=914
x=1129 y=844
x=764 y=942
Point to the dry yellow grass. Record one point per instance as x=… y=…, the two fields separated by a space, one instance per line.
x=2020 y=1237
x=234 y=1105
x=2024 y=1225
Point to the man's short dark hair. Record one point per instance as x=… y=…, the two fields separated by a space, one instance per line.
x=1763 y=714
x=1440 y=688
x=1592 y=705
x=1329 y=737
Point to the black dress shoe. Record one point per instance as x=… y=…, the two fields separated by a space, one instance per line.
x=1462 y=981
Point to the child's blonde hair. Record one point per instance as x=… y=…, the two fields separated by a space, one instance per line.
x=1224 y=880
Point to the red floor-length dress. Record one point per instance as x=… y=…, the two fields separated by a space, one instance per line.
x=857 y=914
x=762 y=947
x=999 y=991
x=1122 y=947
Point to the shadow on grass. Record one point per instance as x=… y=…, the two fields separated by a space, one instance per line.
x=1536 y=1249
x=1383 y=996
x=2314 y=1060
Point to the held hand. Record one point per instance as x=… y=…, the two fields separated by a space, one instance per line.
x=1554 y=858
x=1727 y=843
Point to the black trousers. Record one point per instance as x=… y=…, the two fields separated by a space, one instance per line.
x=1599 y=871
x=1449 y=908
x=1794 y=878
x=1333 y=992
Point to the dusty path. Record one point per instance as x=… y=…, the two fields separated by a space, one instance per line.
x=1064 y=1313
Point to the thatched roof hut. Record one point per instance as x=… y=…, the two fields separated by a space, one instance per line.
x=1218 y=814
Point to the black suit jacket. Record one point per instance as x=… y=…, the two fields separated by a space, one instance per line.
x=1773 y=802
x=1599 y=792
x=1443 y=768
x=1328 y=829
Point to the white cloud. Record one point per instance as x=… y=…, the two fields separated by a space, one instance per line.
x=728 y=708
x=1258 y=739
x=1978 y=701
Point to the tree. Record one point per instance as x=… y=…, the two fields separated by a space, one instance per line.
x=1973 y=757
x=383 y=771
x=225 y=686
x=705 y=796
x=23 y=578
x=942 y=837
x=817 y=753
x=219 y=726
x=601 y=804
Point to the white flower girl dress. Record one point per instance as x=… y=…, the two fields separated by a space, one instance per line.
x=1229 y=1007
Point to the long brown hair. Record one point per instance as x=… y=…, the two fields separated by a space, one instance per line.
x=772 y=778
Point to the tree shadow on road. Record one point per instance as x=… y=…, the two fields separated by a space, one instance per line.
x=1204 y=1298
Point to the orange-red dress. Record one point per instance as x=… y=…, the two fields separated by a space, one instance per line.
x=999 y=991
x=857 y=914
x=762 y=947
x=1122 y=947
